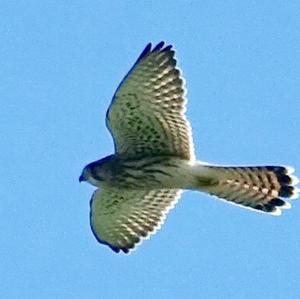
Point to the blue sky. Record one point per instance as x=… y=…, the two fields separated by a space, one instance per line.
x=60 y=64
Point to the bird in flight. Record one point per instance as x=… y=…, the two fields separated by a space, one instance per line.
x=154 y=160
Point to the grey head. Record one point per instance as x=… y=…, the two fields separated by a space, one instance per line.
x=97 y=171
x=86 y=173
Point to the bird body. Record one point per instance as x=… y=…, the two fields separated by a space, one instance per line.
x=154 y=172
x=154 y=160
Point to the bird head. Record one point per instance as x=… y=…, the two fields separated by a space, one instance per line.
x=92 y=173
x=85 y=174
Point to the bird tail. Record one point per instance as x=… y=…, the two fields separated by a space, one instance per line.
x=261 y=188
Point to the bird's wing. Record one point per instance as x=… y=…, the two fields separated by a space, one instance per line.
x=146 y=115
x=122 y=218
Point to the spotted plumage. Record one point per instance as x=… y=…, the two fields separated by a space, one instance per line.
x=136 y=215
x=146 y=115
x=154 y=160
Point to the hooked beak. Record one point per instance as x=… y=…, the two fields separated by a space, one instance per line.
x=81 y=179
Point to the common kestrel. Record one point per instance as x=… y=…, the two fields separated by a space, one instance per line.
x=154 y=159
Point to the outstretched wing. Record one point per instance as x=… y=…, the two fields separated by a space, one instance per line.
x=146 y=115
x=122 y=218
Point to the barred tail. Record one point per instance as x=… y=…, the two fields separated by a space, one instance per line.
x=262 y=188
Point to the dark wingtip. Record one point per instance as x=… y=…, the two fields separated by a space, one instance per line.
x=159 y=46
x=125 y=250
x=168 y=48
x=145 y=52
x=148 y=49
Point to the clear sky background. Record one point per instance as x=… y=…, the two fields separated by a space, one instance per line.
x=61 y=62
